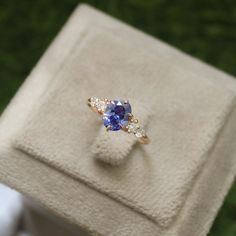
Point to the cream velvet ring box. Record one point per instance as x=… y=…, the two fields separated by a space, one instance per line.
x=173 y=186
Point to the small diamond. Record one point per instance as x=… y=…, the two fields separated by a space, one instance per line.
x=100 y=104
x=93 y=101
x=136 y=129
x=133 y=127
x=140 y=133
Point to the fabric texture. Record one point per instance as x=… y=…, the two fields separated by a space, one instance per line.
x=39 y=222
x=56 y=181
x=188 y=113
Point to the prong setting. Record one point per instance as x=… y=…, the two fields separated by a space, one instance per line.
x=108 y=128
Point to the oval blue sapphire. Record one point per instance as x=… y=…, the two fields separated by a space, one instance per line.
x=116 y=115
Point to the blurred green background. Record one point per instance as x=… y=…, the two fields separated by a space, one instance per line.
x=205 y=29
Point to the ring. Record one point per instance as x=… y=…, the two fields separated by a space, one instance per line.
x=117 y=115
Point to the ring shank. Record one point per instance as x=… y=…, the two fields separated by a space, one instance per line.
x=144 y=140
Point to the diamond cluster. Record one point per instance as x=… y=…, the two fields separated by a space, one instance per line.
x=99 y=104
x=134 y=128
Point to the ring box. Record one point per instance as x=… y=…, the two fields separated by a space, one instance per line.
x=173 y=186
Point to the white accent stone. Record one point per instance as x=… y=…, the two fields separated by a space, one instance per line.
x=136 y=129
x=133 y=127
x=140 y=133
x=98 y=103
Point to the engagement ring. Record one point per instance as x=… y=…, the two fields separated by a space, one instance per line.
x=117 y=115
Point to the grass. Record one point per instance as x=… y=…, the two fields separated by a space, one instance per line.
x=202 y=28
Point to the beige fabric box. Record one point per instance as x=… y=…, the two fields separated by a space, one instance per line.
x=174 y=185
x=38 y=221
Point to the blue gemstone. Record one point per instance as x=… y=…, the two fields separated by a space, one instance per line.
x=116 y=114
